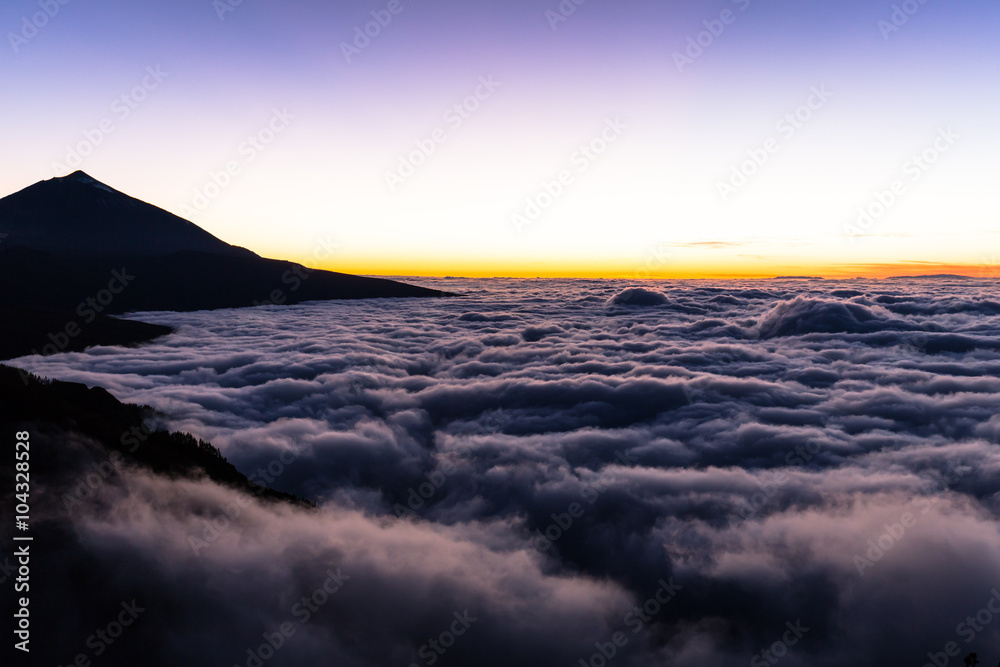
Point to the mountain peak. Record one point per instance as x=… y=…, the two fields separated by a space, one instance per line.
x=64 y=237
x=80 y=176
x=77 y=215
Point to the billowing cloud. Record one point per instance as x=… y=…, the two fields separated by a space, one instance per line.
x=803 y=454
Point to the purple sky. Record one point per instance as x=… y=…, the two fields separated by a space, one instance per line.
x=334 y=170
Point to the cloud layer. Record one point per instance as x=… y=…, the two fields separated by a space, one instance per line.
x=548 y=454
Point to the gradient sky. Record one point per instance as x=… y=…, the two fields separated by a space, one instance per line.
x=649 y=205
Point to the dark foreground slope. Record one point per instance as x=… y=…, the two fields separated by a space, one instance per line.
x=86 y=456
x=57 y=411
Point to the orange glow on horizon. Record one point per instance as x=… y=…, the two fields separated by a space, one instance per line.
x=621 y=270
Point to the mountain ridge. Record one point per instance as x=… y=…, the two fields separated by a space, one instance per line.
x=74 y=250
x=78 y=215
x=64 y=237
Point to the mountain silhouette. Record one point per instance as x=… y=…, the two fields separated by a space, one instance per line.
x=74 y=251
x=78 y=216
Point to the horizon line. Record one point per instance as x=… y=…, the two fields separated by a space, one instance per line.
x=610 y=277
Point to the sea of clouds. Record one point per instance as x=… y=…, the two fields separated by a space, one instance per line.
x=794 y=472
